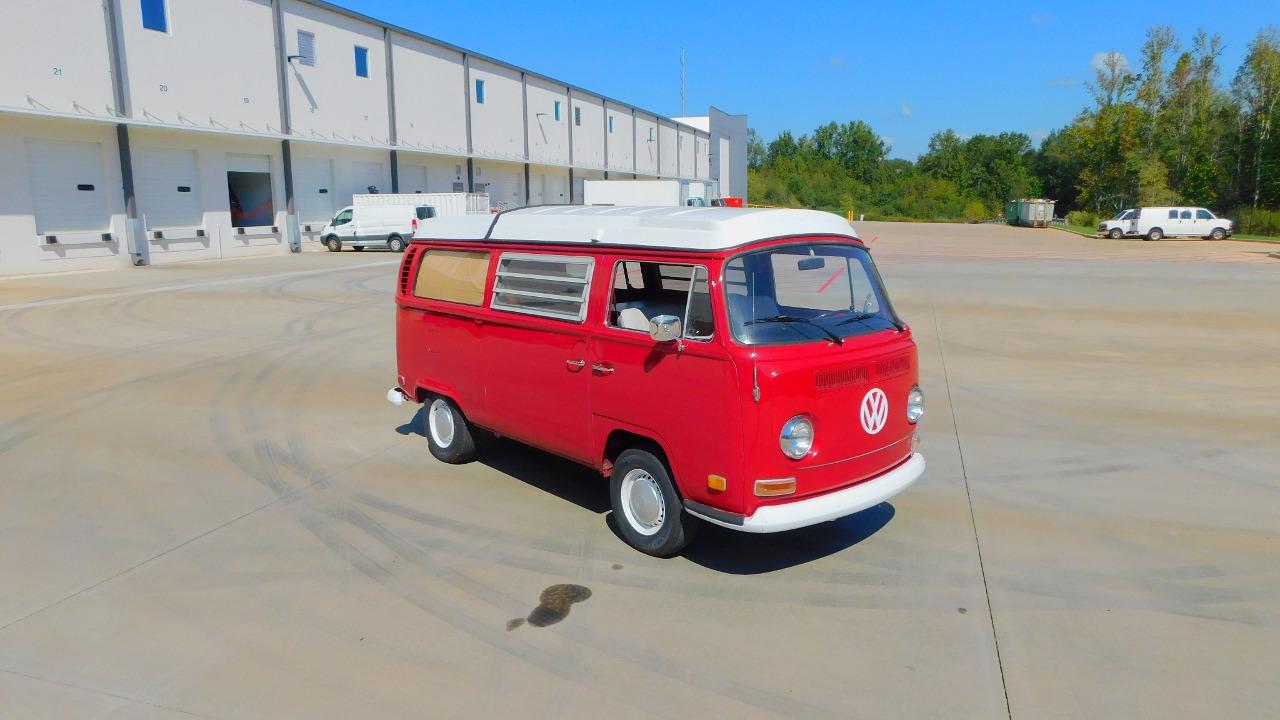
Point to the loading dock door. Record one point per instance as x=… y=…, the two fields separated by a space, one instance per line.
x=166 y=185
x=413 y=179
x=249 y=191
x=68 y=190
x=313 y=189
x=366 y=175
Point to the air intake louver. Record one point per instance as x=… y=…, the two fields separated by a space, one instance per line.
x=406 y=269
x=841 y=377
x=893 y=366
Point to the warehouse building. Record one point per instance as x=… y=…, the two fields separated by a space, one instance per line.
x=155 y=131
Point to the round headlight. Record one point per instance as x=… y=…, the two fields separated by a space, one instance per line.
x=797 y=437
x=915 y=405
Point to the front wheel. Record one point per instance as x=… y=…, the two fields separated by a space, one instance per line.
x=448 y=433
x=1155 y=234
x=333 y=243
x=1218 y=234
x=1114 y=234
x=648 y=510
x=395 y=244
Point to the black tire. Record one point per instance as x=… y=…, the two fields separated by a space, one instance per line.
x=1217 y=234
x=395 y=244
x=1115 y=234
x=448 y=433
x=333 y=243
x=1155 y=234
x=673 y=528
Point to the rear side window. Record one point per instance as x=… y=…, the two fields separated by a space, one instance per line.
x=1186 y=214
x=453 y=276
x=553 y=286
x=1173 y=214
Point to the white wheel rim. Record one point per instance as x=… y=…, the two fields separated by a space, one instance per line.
x=440 y=423
x=643 y=503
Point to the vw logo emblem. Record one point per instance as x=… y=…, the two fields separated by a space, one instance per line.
x=875 y=411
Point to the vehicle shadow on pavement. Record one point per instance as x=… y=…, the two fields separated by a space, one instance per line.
x=715 y=548
x=549 y=473
x=739 y=553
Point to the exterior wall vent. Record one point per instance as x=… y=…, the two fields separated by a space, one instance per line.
x=307 y=48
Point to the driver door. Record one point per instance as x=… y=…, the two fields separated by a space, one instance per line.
x=343 y=226
x=683 y=393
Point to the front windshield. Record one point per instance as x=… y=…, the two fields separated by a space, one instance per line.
x=802 y=293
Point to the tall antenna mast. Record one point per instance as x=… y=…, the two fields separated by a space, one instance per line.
x=682 y=108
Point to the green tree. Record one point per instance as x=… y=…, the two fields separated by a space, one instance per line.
x=755 y=150
x=1257 y=88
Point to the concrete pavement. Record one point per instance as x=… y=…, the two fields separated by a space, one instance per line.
x=210 y=511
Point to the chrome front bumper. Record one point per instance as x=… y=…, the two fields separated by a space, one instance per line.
x=814 y=510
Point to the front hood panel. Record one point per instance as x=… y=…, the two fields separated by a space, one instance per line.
x=856 y=398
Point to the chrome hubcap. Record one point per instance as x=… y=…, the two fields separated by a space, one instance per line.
x=642 y=502
x=440 y=423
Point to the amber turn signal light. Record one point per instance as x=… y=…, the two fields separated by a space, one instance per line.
x=774 y=488
x=716 y=483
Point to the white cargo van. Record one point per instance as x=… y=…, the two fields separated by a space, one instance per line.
x=649 y=193
x=1154 y=223
x=389 y=220
x=1115 y=227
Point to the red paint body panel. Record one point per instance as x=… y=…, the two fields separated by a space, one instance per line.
x=508 y=372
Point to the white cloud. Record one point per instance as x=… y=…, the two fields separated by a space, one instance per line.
x=905 y=110
x=1100 y=60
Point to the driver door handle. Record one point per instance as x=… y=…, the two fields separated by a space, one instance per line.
x=602 y=369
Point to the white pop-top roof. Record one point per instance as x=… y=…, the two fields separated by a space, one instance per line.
x=693 y=228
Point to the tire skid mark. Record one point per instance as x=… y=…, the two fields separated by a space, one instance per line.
x=264 y=467
x=98 y=355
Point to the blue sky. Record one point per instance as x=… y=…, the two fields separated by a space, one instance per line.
x=906 y=68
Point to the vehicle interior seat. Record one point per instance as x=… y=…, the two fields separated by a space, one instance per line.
x=633 y=318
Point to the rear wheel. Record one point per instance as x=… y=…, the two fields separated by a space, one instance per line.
x=448 y=433
x=333 y=243
x=1155 y=234
x=1114 y=234
x=1218 y=234
x=649 y=512
x=395 y=243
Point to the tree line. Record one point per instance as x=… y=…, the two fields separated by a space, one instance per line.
x=1172 y=130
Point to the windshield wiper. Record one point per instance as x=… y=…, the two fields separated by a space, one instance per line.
x=797 y=319
x=857 y=318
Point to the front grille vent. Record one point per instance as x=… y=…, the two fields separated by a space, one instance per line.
x=841 y=377
x=892 y=366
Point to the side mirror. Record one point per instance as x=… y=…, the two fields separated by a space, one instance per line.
x=664 y=328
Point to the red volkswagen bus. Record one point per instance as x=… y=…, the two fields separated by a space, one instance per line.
x=742 y=367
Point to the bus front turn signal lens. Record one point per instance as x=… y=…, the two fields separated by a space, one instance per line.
x=775 y=488
x=717 y=483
